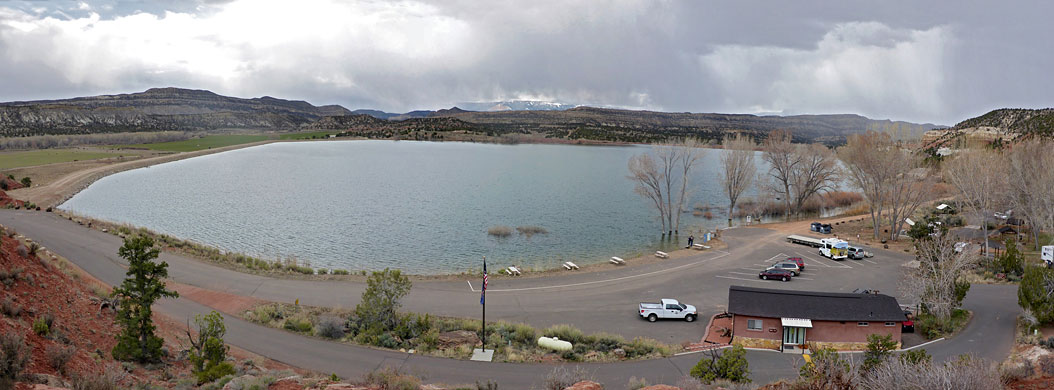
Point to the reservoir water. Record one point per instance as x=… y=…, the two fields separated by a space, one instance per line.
x=419 y=206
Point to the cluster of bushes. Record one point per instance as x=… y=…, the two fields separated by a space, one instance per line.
x=1009 y=265
x=814 y=205
x=914 y=369
x=931 y=327
x=14 y=357
x=511 y=341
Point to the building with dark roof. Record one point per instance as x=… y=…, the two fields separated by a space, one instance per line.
x=790 y=320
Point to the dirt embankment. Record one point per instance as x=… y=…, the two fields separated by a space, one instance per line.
x=58 y=191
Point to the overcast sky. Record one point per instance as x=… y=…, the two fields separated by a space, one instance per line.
x=926 y=61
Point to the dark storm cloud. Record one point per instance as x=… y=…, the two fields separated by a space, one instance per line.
x=938 y=62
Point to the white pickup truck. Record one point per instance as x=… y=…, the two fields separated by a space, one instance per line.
x=667 y=308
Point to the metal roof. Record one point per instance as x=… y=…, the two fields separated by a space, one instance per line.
x=816 y=306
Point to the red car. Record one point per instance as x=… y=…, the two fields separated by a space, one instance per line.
x=777 y=274
x=798 y=261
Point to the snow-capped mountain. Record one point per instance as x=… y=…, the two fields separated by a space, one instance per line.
x=516 y=105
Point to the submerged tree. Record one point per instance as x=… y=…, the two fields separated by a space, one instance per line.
x=144 y=285
x=739 y=168
x=663 y=179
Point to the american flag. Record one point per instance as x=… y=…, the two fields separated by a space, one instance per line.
x=483 y=293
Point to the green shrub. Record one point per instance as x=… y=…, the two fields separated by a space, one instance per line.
x=266 y=313
x=730 y=365
x=565 y=333
x=604 y=342
x=879 y=348
x=215 y=372
x=523 y=334
x=208 y=354
x=429 y=340
x=382 y=299
x=40 y=327
x=385 y=340
x=641 y=346
x=340 y=272
x=297 y=324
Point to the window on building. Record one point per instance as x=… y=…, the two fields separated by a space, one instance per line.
x=754 y=324
x=891 y=324
x=861 y=324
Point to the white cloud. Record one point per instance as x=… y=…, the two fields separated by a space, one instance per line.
x=241 y=47
x=855 y=67
x=942 y=63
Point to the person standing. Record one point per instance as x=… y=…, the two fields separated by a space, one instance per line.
x=691 y=240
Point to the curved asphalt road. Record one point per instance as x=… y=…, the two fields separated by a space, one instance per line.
x=598 y=301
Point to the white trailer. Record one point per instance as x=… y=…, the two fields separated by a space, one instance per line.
x=805 y=240
x=1048 y=254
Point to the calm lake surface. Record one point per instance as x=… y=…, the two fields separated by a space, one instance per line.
x=422 y=207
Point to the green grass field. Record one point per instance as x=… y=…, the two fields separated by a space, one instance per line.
x=40 y=157
x=315 y=134
x=207 y=142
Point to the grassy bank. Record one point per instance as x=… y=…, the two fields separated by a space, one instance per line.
x=426 y=334
x=31 y=158
x=236 y=261
x=206 y=142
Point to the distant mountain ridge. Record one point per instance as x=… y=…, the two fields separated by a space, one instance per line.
x=157 y=109
x=1005 y=124
x=199 y=110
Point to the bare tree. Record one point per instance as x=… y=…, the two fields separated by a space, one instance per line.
x=979 y=178
x=865 y=157
x=688 y=154
x=665 y=178
x=739 y=168
x=965 y=373
x=934 y=283
x=1031 y=164
x=649 y=183
x=798 y=171
x=815 y=172
x=780 y=154
x=906 y=187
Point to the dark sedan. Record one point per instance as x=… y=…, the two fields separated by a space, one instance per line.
x=776 y=274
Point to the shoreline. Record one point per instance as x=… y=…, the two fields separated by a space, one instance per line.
x=58 y=192
x=53 y=194
x=67 y=187
x=177 y=245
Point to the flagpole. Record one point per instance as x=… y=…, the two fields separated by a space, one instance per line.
x=484 y=305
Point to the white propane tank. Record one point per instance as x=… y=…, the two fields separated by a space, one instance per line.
x=554 y=344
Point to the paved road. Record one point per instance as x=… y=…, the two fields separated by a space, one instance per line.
x=600 y=301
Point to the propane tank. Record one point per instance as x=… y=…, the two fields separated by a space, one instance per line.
x=554 y=343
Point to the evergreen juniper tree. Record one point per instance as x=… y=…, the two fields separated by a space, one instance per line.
x=144 y=285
